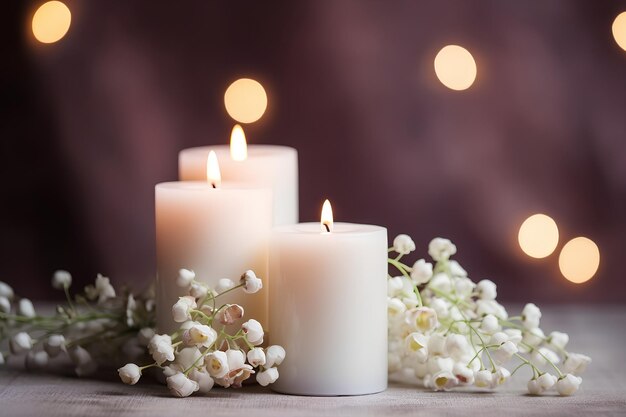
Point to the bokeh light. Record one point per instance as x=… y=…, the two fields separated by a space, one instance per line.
x=538 y=236
x=51 y=22
x=579 y=260
x=619 y=30
x=245 y=100
x=455 y=67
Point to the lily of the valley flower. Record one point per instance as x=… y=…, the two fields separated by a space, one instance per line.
x=422 y=319
x=20 y=342
x=504 y=353
x=203 y=379
x=185 y=278
x=217 y=364
x=568 y=384
x=25 y=308
x=160 y=347
x=487 y=290
x=441 y=249
x=224 y=284
x=531 y=316
x=253 y=331
x=199 y=335
x=102 y=290
x=268 y=376
x=181 y=311
x=403 y=244
x=61 y=279
x=274 y=356
x=576 y=363
x=251 y=284
x=230 y=314
x=256 y=357
x=421 y=272
x=181 y=386
x=129 y=373
x=54 y=345
x=6 y=290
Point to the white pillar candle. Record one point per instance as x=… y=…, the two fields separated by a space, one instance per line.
x=329 y=307
x=216 y=232
x=266 y=166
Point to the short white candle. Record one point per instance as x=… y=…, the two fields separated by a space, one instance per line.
x=218 y=230
x=266 y=166
x=328 y=307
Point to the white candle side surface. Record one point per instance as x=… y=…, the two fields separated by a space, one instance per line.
x=218 y=233
x=328 y=308
x=267 y=166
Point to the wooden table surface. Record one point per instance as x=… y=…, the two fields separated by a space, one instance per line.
x=598 y=331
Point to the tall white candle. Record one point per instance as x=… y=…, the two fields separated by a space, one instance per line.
x=217 y=232
x=266 y=166
x=328 y=310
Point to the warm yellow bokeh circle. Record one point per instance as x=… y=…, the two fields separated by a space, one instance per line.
x=455 y=67
x=245 y=100
x=619 y=30
x=579 y=260
x=538 y=236
x=51 y=22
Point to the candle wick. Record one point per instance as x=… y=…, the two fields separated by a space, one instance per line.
x=213 y=185
x=327 y=228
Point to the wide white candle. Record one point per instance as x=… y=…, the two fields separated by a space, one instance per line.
x=266 y=166
x=328 y=310
x=218 y=233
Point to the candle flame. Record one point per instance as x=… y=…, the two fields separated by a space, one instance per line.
x=213 y=175
x=327 y=217
x=238 y=145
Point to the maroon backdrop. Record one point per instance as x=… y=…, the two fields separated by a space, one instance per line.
x=91 y=123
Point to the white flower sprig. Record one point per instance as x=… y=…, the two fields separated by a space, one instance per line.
x=91 y=329
x=197 y=356
x=447 y=331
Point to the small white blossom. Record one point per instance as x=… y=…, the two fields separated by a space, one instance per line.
x=251 y=284
x=568 y=384
x=534 y=388
x=253 y=331
x=181 y=386
x=230 y=314
x=181 y=311
x=395 y=307
x=203 y=379
x=456 y=270
x=217 y=364
x=558 y=340
x=515 y=335
x=394 y=286
x=504 y=353
x=198 y=290
x=487 y=290
x=576 y=363
x=531 y=316
x=422 y=319
x=463 y=287
x=533 y=337
x=6 y=290
x=543 y=354
x=457 y=346
x=437 y=344
x=403 y=244
x=484 y=307
x=490 y=324
x=441 y=307
x=256 y=357
x=439 y=363
x=85 y=365
x=498 y=338
x=463 y=374
x=546 y=381
x=274 y=355
x=441 y=249
x=482 y=378
x=199 y=335
x=129 y=373
x=421 y=272
x=36 y=359
x=224 y=284
x=61 y=279
x=239 y=371
x=417 y=345
x=25 y=308
x=145 y=335
x=102 y=290
x=160 y=347
x=54 y=345
x=500 y=377
x=444 y=380
x=185 y=278
x=5 y=305
x=20 y=342
x=269 y=376
x=441 y=282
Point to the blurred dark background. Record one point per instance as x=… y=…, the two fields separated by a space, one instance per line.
x=91 y=123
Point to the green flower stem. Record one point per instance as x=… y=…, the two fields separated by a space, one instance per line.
x=230 y=289
x=531 y=348
x=200 y=313
x=536 y=371
x=493 y=364
x=66 y=290
x=403 y=270
x=141 y=368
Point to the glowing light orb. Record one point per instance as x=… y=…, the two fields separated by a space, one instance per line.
x=455 y=67
x=579 y=260
x=538 y=236
x=245 y=100
x=51 y=22
x=619 y=30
